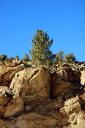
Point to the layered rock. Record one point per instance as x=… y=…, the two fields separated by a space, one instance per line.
x=31 y=83
x=7 y=73
x=67 y=74
x=32 y=120
x=34 y=97
x=65 y=81
x=26 y=86
x=14 y=107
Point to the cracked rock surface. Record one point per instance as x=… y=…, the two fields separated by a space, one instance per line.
x=37 y=98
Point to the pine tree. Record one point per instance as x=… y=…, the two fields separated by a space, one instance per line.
x=41 y=54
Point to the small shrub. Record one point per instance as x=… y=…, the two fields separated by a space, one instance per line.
x=3 y=57
x=26 y=57
x=70 y=58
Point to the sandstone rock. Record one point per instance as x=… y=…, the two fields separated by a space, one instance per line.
x=68 y=74
x=61 y=87
x=2 y=123
x=14 y=107
x=82 y=77
x=3 y=90
x=65 y=83
x=82 y=96
x=3 y=97
x=2 y=110
x=81 y=120
x=7 y=73
x=71 y=105
x=33 y=120
x=73 y=118
x=30 y=83
x=72 y=109
x=4 y=100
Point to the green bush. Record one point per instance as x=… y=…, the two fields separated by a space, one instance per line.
x=3 y=57
x=70 y=58
x=26 y=57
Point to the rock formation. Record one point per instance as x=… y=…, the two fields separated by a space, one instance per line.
x=33 y=97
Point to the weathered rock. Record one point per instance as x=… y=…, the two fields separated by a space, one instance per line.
x=82 y=77
x=3 y=97
x=7 y=73
x=72 y=105
x=4 y=100
x=61 y=87
x=33 y=120
x=2 y=110
x=73 y=111
x=14 y=107
x=68 y=74
x=25 y=97
x=30 y=83
x=2 y=123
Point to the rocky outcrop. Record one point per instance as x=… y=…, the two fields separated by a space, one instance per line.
x=7 y=73
x=37 y=97
x=74 y=113
x=32 y=120
x=31 y=84
x=60 y=88
x=67 y=74
x=27 y=85
x=65 y=82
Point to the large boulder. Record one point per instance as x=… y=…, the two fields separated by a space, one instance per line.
x=31 y=84
x=7 y=73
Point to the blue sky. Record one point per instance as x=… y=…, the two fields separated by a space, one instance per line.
x=63 y=20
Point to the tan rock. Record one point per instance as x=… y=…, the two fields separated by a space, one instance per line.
x=32 y=120
x=4 y=100
x=31 y=83
x=71 y=105
x=14 y=107
x=72 y=109
x=2 y=123
x=61 y=87
x=3 y=97
x=2 y=110
x=82 y=77
x=67 y=74
x=7 y=73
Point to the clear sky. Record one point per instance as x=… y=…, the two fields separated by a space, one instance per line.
x=63 y=20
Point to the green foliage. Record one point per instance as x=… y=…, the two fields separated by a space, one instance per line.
x=70 y=58
x=6 y=127
x=11 y=59
x=3 y=57
x=59 y=57
x=41 y=49
x=26 y=57
x=17 y=57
